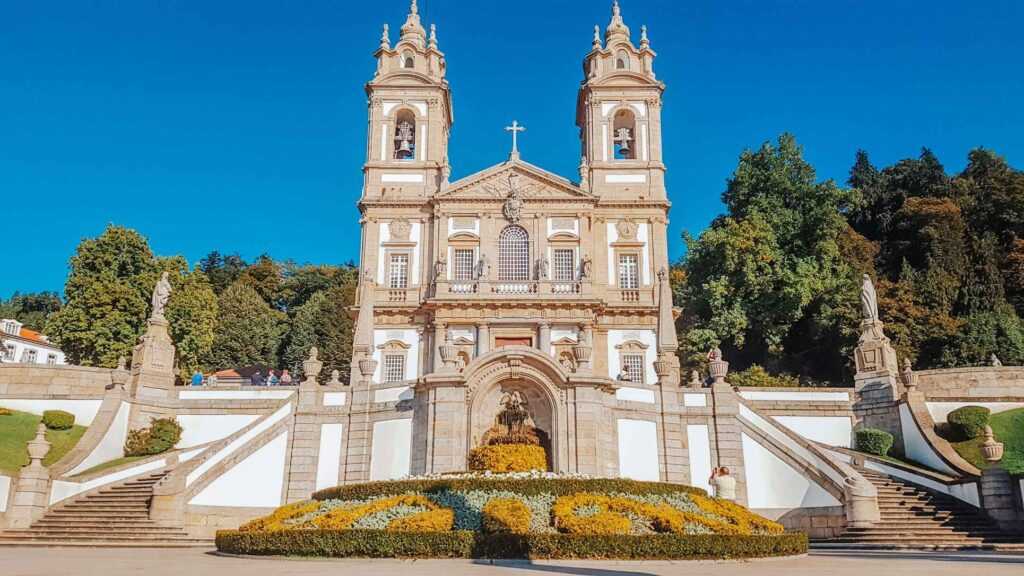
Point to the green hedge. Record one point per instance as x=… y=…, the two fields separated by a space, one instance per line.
x=873 y=441
x=525 y=486
x=465 y=544
x=161 y=436
x=58 y=419
x=969 y=421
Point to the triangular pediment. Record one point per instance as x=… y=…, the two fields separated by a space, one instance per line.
x=497 y=181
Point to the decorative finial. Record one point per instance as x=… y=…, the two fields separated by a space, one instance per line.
x=433 y=36
x=412 y=29
x=644 y=42
x=385 y=41
x=412 y=8
x=597 y=37
x=616 y=27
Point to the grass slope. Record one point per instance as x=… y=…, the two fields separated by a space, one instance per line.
x=1009 y=429
x=18 y=428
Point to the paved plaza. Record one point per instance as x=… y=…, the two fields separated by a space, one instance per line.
x=200 y=562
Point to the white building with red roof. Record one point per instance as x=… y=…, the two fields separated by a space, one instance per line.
x=24 y=346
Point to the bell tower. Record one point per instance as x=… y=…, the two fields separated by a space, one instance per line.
x=618 y=112
x=410 y=116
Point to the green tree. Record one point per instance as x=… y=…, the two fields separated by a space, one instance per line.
x=222 y=270
x=324 y=321
x=266 y=277
x=192 y=311
x=31 y=309
x=107 y=298
x=248 y=330
x=305 y=331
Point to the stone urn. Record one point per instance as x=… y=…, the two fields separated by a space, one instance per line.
x=719 y=369
x=992 y=450
x=39 y=446
x=449 y=354
x=661 y=368
x=367 y=366
x=581 y=353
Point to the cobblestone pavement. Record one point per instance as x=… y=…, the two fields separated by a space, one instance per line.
x=199 y=562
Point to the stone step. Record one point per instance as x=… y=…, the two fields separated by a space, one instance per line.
x=98 y=538
x=106 y=531
x=95 y=524
x=46 y=543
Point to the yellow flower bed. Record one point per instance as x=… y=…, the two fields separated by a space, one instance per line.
x=743 y=519
x=343 y=518
x=506 y=515
x=439 y=520
x=508 y=458
x=276 y=520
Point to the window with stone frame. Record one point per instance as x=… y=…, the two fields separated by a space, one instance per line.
x=398 y=271
x=633 y=367
x=514 y=254
x=629 y=272
x=51 y=359
x=9 y=351
x=564 y=264
x=463 y=264
x=394 y=368
x=28 y=356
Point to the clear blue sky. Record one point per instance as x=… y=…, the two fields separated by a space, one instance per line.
x=240 y=125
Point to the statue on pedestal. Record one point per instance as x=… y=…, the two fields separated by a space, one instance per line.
x=161 y=294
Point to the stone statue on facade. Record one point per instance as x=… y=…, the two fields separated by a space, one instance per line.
x=161 y=293
x=586 y=267
x=439 y=268
x=868 y=299
x=542 y=268
x=513 y=208
x=483 y=268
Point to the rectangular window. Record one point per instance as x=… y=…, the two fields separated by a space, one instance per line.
x=463 y=264
x=628 y=272
x=633 y=365
x=394 y=367
x=398 y=274
x=564 y=265
x=28 y=357
x=9 y=353
x=51 y=359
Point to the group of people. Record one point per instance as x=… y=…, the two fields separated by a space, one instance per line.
x=257 y=379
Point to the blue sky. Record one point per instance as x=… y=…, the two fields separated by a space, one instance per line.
x=240 y=126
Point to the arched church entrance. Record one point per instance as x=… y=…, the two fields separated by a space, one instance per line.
x=514 y=410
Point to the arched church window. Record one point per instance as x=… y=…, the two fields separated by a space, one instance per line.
x=408 y=61
x=624 y=132
x=405 y=135
x=514 y=254
x=622 y=61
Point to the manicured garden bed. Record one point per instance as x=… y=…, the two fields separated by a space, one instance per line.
x=513 y=516
x=18 y=428
x=1008 y=428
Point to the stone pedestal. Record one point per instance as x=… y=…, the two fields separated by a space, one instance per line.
x=152 y=372
x=32 y=487
x=999 y=499
x=874 y=353
x=726 y=440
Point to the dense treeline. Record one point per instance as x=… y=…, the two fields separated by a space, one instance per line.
x=223 y=313
x=774 y=280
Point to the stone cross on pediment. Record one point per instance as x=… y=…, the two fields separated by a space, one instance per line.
x=515 y=129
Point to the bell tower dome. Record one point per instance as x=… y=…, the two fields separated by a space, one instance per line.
x=410 y=115
x=618 y=112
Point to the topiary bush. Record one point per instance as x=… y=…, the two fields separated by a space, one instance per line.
x=58 y=419
x=161 y=436
x=502 y=515
x=5 y=411
x=873 y=441
x=508 y=458
x=758 y=377
x=969 y=421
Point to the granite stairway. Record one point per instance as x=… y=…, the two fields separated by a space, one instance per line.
x=913 y=517
x=113 y=516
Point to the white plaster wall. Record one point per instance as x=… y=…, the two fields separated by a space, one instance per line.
x=771 y=483
x=564 y=333
x=335 y=398
x=575 y=229
x=830 y=430
x=940 y=410
x=638 y=449
x=635 y=395
x=211 y=394
x=646 y=337
x=393 y=394
x=613 y=266
x=390 y=453
x=475 y=230
x=84 y=410
x=698 y=442
x=328 y=464
x=111 y=446
x=917 y=446
x=5 y=490
x=199 y=429
x=42 y=352
x=256 y=481
x=62 y=489
x=645 y=255
x=795 y=396
x=237 y=443
x=695 y=400
x=407 y=336
x=414 y=266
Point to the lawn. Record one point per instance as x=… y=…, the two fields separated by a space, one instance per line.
x=1008 y=428
x=18 y=428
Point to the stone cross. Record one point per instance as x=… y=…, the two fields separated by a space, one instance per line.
x=514 y=129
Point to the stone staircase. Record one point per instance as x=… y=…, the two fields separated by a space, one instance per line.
x=916 y=518
x=116 y=515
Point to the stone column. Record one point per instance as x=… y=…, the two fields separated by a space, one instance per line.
x=545 y=338
x=32 y=487
x=421 y=363
x=483 y=338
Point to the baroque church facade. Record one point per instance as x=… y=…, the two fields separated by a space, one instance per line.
x=515 y=278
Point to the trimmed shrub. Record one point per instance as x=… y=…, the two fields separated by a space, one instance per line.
x=508 y=458
x=275 y=521
x=969 y=421
x=58 y=419
x=524 y=486
x=439 y=520
x=506 y=515
x=758 y=377
x=161 y=436
x=344 y=517
x=5 y=411
x=465 y=544
x=873 y=441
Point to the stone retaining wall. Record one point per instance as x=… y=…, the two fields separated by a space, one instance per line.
x=980 y=382
x=63 y=380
